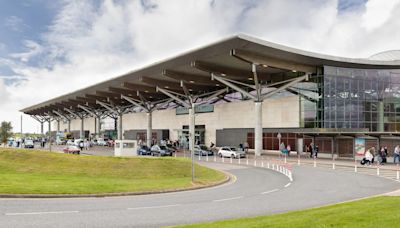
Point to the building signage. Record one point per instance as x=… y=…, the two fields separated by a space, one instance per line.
x=359 y=146
x=198 y=109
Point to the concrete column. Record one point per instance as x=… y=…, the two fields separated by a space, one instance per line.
x=41 y=128
x=58 y=125
x=98 y=127
x=119 y=133
x=50 y=135
x=380 y=117
x=258 y=134
x=149 y=129
x=82 y=131
x=95 y=126
x=69 y=125
x=192 y=124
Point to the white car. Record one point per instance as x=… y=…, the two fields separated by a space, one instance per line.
x=231 y=152
x=101 y=142
x=29 y=143
x=70 y=142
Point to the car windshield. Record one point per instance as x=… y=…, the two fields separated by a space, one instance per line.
x=163 y=147
x=145 y=147
x=233 y=149
x=203 y=147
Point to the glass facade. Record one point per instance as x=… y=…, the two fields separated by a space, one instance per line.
x=353 y=98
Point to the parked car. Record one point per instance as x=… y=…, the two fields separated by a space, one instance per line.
x=70 y=142
x=203 y=150
x=231 y=152
x=101 y=142
x=143 y=150
x=29 y=143
x=157 y=150
x=72 y=150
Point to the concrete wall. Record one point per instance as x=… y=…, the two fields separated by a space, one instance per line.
x=277 y=112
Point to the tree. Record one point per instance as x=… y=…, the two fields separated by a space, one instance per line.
x=5 y=131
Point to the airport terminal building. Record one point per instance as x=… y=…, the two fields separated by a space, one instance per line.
x=243 y=89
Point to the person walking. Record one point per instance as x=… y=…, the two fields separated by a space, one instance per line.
x=282 y=147
x=396 y=154
x=288 y=148
x=246 y=146
x=81 y=144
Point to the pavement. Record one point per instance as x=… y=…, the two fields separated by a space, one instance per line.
x=256 y=191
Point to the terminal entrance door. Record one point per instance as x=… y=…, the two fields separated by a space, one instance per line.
x=183 y=135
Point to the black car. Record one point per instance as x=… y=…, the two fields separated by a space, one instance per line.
x=143 y=150
x=160 y=151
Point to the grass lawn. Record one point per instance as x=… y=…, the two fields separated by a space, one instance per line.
x=383 y=211
x=39 y=172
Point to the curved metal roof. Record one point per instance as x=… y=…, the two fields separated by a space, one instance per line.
x=194 y=69
x=391 y=55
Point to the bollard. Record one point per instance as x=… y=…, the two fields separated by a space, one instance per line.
x=239 y=160
x=355 y=168
x=377 y=170
x=268 y=165
x=262 y=164
x=285 y=159
x=273 y=166
x=247 y=161
x=207 y=157
x=298 y=160
x=231 y=160
x=398 y=172
x=333 y=165
x=255 y=163
x=315 y=163
x=215 y=158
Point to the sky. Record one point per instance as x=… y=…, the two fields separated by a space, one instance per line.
x=50 y=48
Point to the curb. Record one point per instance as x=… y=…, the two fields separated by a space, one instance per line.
x=227 y=179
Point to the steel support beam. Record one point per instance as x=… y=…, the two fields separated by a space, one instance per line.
x=233 y=86
x=284 y=87
x=82 y=131
x=97 y=119
x=173 y=96
x=119 y=117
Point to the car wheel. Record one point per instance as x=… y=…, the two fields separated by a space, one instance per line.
x=220 y=155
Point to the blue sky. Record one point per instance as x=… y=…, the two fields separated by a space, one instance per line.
x=52 y=47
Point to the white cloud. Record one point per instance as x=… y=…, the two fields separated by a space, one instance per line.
x=89 y=43
x=34 y=49
x=377 y=13
x=15 y=23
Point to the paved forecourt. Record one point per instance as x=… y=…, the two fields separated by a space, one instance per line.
x=256 y=191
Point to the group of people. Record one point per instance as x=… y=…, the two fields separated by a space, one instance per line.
x=285 y=149
x=313 y=150
x=370 y=156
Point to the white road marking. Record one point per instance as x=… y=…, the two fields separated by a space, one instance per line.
x=42 y=213
x=274 y=190
x=153 y=207
x=233 y=198
x=288 y=184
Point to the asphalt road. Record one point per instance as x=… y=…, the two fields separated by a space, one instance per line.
x=257 y=191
